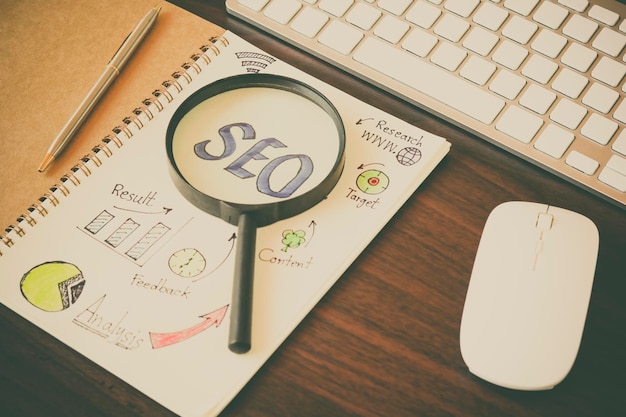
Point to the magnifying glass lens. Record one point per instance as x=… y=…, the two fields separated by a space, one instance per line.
x=255 y=145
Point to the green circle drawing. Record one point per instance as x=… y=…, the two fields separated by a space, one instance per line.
x=372 y=181
x=52 y=286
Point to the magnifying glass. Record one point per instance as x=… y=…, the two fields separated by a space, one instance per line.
x=253 y=149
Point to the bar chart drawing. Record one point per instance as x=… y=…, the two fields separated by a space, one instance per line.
x=131 y=237
x=150 y=238
x=99 y=222
x=121 y=233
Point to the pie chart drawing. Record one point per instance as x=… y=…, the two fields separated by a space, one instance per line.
x=52 y=286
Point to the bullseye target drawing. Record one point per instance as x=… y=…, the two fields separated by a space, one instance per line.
x=372 y=181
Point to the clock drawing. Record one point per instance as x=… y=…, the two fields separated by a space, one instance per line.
x=187 y=262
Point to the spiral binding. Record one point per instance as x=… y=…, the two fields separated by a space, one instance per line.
x=119 y=134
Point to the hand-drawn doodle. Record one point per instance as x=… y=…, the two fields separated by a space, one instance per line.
x=409 y=156
x=293 y=239
x=372 y=181
x=52 y=286
x=109 y=323
x=163 y=210
x=302 y=173
x=118 y=234
x=254 y=61
x=231 y=247
x=312 y=227
x=146 y=241
x=216 y=317
x=122 y=232
x=187 y=262
x=99 y=222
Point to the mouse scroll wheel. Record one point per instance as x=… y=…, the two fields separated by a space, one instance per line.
x=544 y=221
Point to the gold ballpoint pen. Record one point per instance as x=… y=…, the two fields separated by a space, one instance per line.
x=110 y=73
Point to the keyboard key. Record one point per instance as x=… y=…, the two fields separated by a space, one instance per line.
x=609 y=71
x=620 y=113
x=490 y=16
x=340 y=37
x=570 y=83
x=610 y=42
x=603 y=15
x=480 y=41
x=554 y=141
x=363 y=16
x=549 y=43
x=550 y=15
x=539 y=69
x=599 y=129
x=537 y=99
x=579 y=57
x=391 y=29
x=520 y=30
x=335 y=7
x=255 y=5
x=448 y=56
x=282 y=11
x=578 y=5
x=620 y=143
x=510 y=55
x=419 y=42
x=309 y=22
x=507 y=84
x=580 y=28
x=523 y=7
x=463 y=8
x=396 y=7
x=477 y=70
x=568 y=114
x=451 y=27
x=600 y=98
x=519 y=124
x=434 y=82
x=614 y=174
x=423 y=14
x=582 y=162
x=618 y=164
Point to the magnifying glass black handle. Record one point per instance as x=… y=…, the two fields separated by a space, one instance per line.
x=243 y=285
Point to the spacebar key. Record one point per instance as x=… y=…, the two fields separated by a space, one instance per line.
x=429 y=79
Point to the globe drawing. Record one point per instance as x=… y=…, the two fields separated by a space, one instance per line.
x=409 y=156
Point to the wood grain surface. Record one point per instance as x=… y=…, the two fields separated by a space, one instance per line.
x=384 y=341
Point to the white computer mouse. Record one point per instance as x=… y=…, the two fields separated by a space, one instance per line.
x=528 y=295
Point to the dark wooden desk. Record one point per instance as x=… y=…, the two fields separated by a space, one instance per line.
x=385 y=340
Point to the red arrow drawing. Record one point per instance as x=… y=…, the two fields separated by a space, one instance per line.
x=160 y=340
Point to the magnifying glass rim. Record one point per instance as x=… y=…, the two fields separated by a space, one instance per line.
x=264 y=213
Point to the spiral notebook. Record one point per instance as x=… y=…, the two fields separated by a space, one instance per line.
x=101 y=261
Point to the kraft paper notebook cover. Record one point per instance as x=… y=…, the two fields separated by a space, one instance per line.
x=101 y=262
x=51 y=53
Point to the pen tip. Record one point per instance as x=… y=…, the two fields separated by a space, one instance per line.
x=46 y=161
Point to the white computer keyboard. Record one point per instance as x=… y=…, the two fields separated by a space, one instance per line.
x=542 y=79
